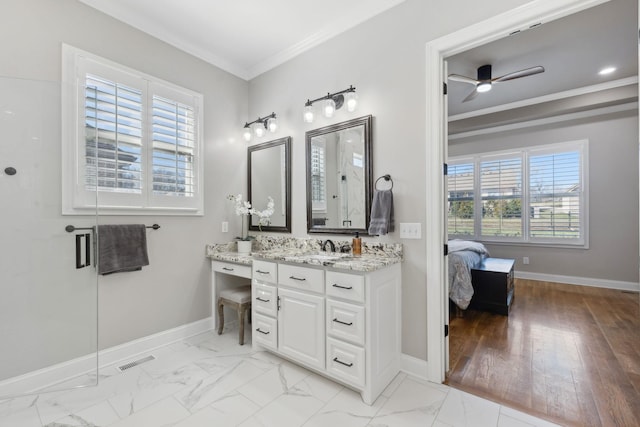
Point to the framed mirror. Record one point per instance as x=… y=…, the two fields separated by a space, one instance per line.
x=339 y=177
x=269 y=168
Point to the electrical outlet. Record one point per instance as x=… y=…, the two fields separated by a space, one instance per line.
x=525 y=260
x=225 y=227
x=410 y=230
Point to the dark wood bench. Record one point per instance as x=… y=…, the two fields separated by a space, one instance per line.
x=492 y=284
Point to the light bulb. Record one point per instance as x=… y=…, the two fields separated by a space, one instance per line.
x=307 y=114
x=272 y=124
x=246 y=134
x=351 y=99
x=483 y=87
x=259 y=130
x=328 y=108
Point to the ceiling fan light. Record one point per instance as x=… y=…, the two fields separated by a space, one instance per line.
x=483 y=87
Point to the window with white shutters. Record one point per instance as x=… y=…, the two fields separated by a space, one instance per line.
x=536 y=195
x=133 y=139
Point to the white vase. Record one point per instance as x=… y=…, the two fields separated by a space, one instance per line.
x=244 y=246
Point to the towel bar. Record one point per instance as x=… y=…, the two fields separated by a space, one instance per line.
x=71 y=228
x=386 y=177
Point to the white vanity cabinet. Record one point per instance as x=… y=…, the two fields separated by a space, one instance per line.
x=343 y=325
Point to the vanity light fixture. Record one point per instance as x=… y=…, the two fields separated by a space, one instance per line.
x=330 y=103
x=260 y=126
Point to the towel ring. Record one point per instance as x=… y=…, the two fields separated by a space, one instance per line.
x=386 y=177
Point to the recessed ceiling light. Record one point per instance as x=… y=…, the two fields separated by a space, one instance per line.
x=607 y=70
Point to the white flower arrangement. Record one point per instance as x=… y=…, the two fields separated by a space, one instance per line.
x=244 y=209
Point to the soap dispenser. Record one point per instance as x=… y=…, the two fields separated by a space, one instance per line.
x=356 y=245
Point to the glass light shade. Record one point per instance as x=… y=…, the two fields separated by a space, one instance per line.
x=351 y=100
x=483 y=87
x=328 y=108
x=307 y=114
x=272 y=124
x=259 y=130
x=246 y=134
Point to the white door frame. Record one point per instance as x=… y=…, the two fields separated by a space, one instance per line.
x=520 y=18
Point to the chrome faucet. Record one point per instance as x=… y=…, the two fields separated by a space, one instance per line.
x=331 y=245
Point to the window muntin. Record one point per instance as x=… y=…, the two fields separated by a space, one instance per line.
x=535 y=195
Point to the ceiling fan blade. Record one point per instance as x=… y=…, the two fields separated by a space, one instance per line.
x=463 y=79
x=518 y=74
x=471 y=96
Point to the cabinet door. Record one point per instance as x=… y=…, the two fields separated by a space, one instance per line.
x=301 y=333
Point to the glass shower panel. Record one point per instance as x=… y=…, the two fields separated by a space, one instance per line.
x=48 y=302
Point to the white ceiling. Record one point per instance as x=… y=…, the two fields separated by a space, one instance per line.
x=572 y=50
x=243 y=37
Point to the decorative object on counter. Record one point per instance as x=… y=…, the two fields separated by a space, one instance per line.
x=356 y=245
x=245 y=211
x=330 y=103
x=260 y=126
x=382 y=221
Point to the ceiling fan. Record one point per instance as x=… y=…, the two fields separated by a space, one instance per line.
x=484 y=81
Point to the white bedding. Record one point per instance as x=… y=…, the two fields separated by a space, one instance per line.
x=463 y=256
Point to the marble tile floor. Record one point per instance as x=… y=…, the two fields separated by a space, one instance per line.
x=209 y=380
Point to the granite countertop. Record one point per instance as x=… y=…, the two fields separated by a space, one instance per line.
x=307 y=251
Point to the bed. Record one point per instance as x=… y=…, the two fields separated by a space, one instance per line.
x=463 y=256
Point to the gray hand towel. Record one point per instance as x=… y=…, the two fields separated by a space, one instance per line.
x=381 y=221
x=122 y=248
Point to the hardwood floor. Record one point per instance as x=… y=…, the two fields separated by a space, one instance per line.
x=566 y=353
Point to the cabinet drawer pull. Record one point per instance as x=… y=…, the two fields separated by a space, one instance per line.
x=348 y=365
x=262 y=272
x=227 y=269
x=302 y=279
x=262 y=300
x=335 y=285
x=262 y=332
x=343 y=323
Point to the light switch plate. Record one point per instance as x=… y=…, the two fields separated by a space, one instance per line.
x=225 y=227
x=410 y=230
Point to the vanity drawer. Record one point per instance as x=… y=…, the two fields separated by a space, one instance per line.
x=344 y=285
x=345 y=321
x=345 y=361
x=265 y=299
x=265 y=271
x=303 y=278
x=265 y=331
x=231 y=268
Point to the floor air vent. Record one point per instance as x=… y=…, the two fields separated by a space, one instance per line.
x=136 y=363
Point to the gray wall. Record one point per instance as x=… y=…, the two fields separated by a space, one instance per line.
x=174 y=289
x=613 y=197
x=384 y=59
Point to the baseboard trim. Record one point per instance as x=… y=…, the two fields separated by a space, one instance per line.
x=583 y=281
x=55 y=374
x=414 y=366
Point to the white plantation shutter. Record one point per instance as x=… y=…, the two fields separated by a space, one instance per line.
x=555 y=195
x=137 y=140
x=173 y=148
x=536 y=195
x=113 y=136
x=501 y=196
x=460 y=189
x=318 y=177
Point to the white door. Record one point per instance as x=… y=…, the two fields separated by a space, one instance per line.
x=301 y=329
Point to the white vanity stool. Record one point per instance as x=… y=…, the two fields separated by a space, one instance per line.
x=238 y=298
